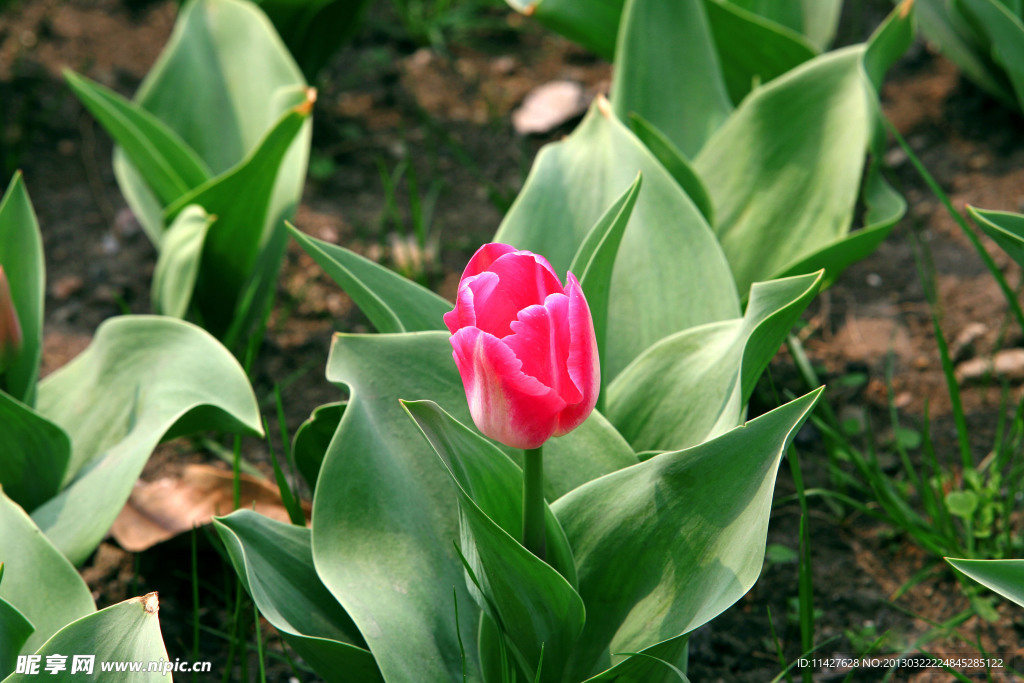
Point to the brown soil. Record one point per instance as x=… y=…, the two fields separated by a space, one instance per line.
x=384 y=102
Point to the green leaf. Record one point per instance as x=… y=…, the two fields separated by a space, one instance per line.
x=313 y=437
x=243 y=230
x=240 y=80
x=948 y=29
x=963 y=504
x=167 y=164
x=593 y=24
x=490 y=478
x=674 y=162
x=1007 y=229
x=884 y=207
x=693 y=385
x=275 y=564
x=1003 y=32
x=536 y=606
x=1005 y=577
x=178 y=266
x=126 y=632
x=571 y=184
x=38 y=581
x=391 y=302
x=385 y=482
x=668 y=544
x=652 y=665
x=15 y=631
x=35 y=454
x=142 y=378
x=655 y=39
x=21 y=255
x=594 y=261
x=821 y=18
x=753 y=49
x=822 y=120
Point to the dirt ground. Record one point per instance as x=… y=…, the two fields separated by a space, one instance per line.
x=384 y=103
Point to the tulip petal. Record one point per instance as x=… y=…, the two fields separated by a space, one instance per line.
x=483 y=258
x=540 y=340
x=506 y=404
x=524 y=279
x=583 y=364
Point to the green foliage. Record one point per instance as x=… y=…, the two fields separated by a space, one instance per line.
x=1005 y=577
x=21 y=255
x=275 y=563
x=242 y=131
x=985 y=38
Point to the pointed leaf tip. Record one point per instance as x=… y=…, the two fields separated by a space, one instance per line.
x=151 y=602
x=306 y=108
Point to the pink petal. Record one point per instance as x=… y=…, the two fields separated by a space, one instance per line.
x=583 y=364
x=483 y=258
x=523 y=280
x=540 y=340
x=506 y=404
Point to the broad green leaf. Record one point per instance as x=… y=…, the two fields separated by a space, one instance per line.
x=126 y=632
x=489 y=477
x=693 y=385
x=572 y=182
x=314 y=30
x=752 y=48
x=21 y=255
x=1003 y=32
x=593 y=24
x=313 y=437
x=35 y=454
x=535 y=604
x=167 y=164
x=666 y=545
x=275 y=564
x=667 y=70
x=15 y=631
x=674 y=162
x=178 y=265
x=947 y=28
x=821 y=18
x=785 y=13
x=1005 y=577
x=656 y=664
x=222 y=83
x=141 y=378
x=821 y=118
x=1007 y=229
x=385 y=482
x=242 y=230
x=594 y=262
x=391 y=302
x=884 y=207
x=38 y=581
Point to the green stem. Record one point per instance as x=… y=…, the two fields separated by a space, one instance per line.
x=533 y=501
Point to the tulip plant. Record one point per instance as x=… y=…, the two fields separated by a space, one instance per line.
x=73 y=445
x=771 y=152
x=211 y=176
x=985 y=38
x=500 y=562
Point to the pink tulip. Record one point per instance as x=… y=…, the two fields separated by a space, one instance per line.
x=524 y=346
x=10 y=328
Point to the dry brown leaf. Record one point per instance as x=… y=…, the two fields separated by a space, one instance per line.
x=162 y=509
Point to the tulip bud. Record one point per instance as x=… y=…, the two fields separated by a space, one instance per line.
x=10 y=328
x=524 y=346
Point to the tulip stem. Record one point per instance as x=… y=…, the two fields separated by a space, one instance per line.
x=533 y=501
